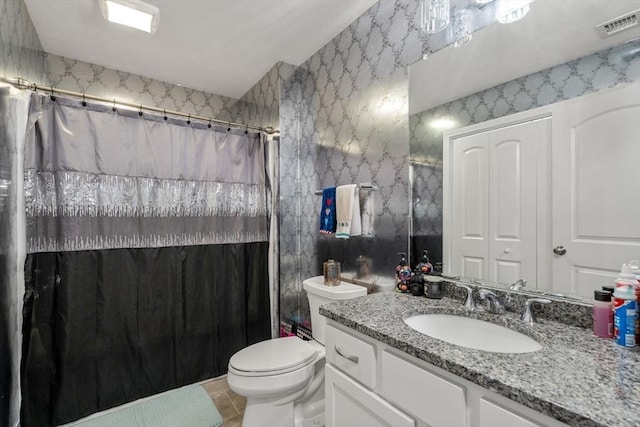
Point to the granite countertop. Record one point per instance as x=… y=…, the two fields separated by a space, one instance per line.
x=577 y=378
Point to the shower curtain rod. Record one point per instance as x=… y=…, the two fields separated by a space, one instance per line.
x=21 y=83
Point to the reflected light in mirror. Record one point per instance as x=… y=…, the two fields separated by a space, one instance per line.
x=443 y=123
x=514 y=15
x=512 y=10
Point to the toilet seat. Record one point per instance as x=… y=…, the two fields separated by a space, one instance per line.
x=273 y=357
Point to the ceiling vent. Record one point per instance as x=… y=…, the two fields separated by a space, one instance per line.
x=619 y=24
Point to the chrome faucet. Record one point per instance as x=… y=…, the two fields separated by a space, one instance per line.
x=494 y=305
x=518 y=285
x=528 y=315
x=469 y=304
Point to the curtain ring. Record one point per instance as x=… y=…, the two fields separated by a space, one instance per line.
x=53 y=98
x=229 y=128
x=246 y=129
x=189 y=119
x=84 y=101
x=209 y=125
x=165 y=114
x=140 y=112
x=114 y=105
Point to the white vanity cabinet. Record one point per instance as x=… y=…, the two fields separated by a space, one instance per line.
x=369 y=383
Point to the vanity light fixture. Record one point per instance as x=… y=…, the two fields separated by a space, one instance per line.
x=132 y=13
x=514 y=15
x=434 y=15
x=512 y=10
x=461 y=32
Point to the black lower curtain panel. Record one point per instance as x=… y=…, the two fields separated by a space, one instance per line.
x=106 y=327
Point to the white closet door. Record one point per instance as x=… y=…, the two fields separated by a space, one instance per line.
x=513 y=202
x=470 y=206
x=596 y=191
x=494 y=205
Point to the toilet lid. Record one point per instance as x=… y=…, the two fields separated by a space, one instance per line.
x=273 y=355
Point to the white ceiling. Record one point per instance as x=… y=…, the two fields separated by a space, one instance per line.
x=218 y=46
x=553 y=32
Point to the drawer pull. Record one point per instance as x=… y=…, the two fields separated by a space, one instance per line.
x=353 y=359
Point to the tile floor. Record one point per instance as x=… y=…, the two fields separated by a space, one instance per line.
x=230 y=405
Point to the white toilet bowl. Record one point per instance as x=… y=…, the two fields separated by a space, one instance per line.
x=283 y=378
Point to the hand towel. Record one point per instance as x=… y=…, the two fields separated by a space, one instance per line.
x=356 y=219
x=367 y=210
x=344 y=210
x=328 y=211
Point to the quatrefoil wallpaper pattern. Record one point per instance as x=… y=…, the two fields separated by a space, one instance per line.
x=343 y=119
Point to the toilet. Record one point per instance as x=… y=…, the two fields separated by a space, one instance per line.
x=283 y=378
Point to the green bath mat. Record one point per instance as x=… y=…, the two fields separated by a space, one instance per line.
x=188 y=406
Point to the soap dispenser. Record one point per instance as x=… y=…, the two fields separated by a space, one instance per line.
x=424 y=266
x=403 y=274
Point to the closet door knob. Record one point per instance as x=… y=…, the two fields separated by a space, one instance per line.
x=559 y=250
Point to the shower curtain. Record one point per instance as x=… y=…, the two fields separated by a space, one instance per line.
x=147 y=255
x=14 y=108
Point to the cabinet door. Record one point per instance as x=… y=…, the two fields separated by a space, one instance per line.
x=430 y=398
x=348 y=404
x=492 y=415
x=596 y=188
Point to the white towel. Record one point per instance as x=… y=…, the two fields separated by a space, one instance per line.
x=344 y=210
x=367 y=210
x=356 y=219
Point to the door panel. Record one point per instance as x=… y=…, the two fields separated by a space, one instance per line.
x=470 y=207
x=513 y=209
x=596 y=152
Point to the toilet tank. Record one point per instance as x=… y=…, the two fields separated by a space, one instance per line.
x=319 y=294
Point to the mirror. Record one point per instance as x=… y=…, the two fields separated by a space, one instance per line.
x=485 y=79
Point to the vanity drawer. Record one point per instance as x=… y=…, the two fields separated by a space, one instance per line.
x=427 y=396
x=351 y=355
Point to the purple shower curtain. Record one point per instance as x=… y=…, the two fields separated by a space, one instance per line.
x=147 y=262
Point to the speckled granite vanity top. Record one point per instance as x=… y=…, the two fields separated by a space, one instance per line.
x=576 y=377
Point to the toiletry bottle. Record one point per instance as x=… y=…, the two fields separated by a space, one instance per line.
x=626 y=277
x=403 y=274
x=363 y=271
x=625 y=314
x=602 y=314
x=424 y=266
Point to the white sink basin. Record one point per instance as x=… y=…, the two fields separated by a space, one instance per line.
x=472 y=333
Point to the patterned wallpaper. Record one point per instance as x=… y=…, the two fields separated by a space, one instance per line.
x=21 y=53
x=71 y=74
x=591 y=73
x=343 y=119
x=351 y=126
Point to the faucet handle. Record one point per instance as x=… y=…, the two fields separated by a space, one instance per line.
x=494 y=303
x=528 y=315
x=469 y=304
x=484 y=293
x=518 y=285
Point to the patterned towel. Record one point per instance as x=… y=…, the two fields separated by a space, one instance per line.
x=345 y=195
x=328 y=211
